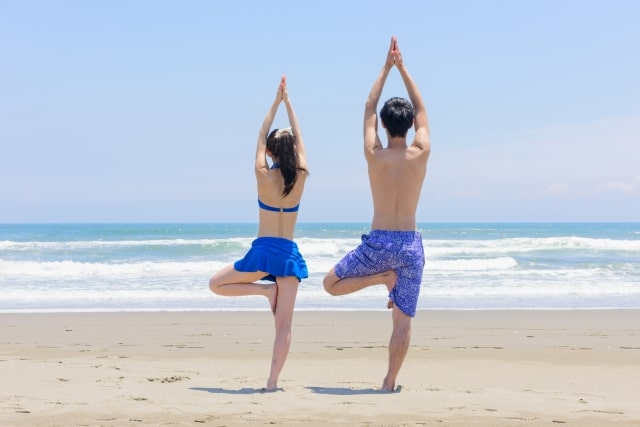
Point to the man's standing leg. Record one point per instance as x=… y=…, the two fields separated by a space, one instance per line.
x=398 y=347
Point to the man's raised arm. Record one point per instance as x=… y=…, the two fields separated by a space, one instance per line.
x=422 y=138
x=371 y=138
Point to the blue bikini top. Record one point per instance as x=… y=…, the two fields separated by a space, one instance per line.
x=266 y=207
x=272 y=209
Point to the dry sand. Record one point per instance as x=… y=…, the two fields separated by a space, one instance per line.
x=464 y=368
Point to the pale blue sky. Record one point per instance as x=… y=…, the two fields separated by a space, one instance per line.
x=148 y=111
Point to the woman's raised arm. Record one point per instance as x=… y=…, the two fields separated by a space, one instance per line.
x=261 y=149
x=295 y=127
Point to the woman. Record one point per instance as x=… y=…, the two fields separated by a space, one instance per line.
x=274 y=255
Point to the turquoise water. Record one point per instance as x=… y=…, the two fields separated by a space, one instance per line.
x=111 y=267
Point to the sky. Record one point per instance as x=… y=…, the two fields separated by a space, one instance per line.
x=149 y=111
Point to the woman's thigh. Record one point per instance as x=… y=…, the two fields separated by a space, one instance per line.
x=230 y=275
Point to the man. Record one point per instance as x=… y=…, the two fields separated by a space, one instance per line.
x=392 y=253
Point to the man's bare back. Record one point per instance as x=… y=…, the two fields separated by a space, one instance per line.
x=396 y=175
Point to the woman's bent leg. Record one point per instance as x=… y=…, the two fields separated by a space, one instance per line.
x=231 y=283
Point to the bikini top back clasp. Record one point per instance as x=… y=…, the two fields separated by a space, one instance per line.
x=273 y=209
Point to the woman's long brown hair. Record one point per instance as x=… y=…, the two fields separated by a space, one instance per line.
x=281 y=145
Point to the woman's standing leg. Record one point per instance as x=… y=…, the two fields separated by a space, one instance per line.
x=286 y=299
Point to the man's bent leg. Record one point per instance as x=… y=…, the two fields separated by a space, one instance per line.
x=336 y=286
x=398 y=347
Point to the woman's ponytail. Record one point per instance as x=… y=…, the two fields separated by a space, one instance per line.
x=281 y=144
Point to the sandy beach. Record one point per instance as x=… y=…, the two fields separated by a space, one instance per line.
x=479 y=368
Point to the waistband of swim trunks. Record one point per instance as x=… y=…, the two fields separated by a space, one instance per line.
x=395 y=232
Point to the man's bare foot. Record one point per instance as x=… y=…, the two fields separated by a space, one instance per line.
x=390 y=387
x=273 y=297
x=390 y=279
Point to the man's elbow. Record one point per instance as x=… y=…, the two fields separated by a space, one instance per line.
x=370 y=106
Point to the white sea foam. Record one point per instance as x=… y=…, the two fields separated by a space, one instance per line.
x=94 y=244
x=520 y=245
x=474 y=264
x=333 y=246
x=75 y=270
x=172 y=273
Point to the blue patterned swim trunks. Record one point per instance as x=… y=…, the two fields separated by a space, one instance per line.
x=382 y=250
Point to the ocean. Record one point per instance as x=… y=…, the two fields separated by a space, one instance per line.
x=166 y=267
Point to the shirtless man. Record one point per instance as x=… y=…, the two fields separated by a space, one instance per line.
x=392 y=253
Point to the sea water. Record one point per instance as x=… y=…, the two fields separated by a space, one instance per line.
x=153 y=267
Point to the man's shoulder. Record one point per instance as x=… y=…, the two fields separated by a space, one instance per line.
x=408 y=152
x=419 y=149
x=421 y=141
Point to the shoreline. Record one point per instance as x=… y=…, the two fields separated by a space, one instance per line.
x=308 y=310
x=464 y=367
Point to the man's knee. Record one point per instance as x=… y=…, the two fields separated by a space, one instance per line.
x=401 y=320
x=329 y=280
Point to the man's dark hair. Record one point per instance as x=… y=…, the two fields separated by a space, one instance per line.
x=397 y=116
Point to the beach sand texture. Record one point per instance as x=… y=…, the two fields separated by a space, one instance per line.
x=476 y=368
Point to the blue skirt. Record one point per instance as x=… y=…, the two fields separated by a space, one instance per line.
x=274 y=255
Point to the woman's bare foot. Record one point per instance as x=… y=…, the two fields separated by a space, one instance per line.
x=271 y=387
x=273 y=298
